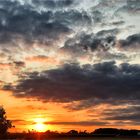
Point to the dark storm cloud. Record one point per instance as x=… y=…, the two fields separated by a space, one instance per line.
x=130 y=113
x=17 y=20
x=31 y=23
x=37 y=27
x=131 y=42
x=28 y=21
x=73 y=18
x=100 y=83
x=102 y=40
x=132 y=117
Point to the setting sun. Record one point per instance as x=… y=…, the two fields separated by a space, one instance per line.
x=40 y=126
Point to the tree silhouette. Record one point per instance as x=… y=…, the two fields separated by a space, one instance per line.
x=4 y=123
x=73 y=132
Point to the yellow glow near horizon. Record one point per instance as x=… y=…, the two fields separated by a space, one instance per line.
x=40 y=126
x=39 y=120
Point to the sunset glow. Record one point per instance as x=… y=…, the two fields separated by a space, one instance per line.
x=40 y=127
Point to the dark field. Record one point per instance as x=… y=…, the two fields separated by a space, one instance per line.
x=95 y=139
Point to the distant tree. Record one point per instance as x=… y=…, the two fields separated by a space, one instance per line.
x=106 y=131
x=83 y=133
x=73 y=132
x=4 y=123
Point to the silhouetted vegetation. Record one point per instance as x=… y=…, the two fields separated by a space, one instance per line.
x=116 y=132
x=4 y=123
x=101 y=132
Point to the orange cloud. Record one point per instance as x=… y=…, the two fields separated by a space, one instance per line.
x=43 y=59
x=5 y=65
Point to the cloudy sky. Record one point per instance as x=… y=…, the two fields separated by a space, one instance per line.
x=75 y=64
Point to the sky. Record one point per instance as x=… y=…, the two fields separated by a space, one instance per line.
x=70 y=64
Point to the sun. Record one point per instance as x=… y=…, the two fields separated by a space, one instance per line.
x=39 y=125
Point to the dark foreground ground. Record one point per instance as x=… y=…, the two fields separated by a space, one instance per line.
x=95 y=139
x=75 y=138
x=83 y=139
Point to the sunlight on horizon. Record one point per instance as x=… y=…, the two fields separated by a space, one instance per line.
x=40 y=125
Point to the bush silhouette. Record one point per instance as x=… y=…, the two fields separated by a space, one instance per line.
x=4 y=123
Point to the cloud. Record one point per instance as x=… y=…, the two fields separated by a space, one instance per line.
x=14 y=17
x=4 y=65
x=130 y=114
x=68 y=25
x=103 y=46
x=43 y=59
x=54 y=4
x=132 y=42
x=81 y=42
x=22 y=122
x=79 y=123
x=49 y=20
x=19 y=63
x=131 y=6
x=98 y=83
